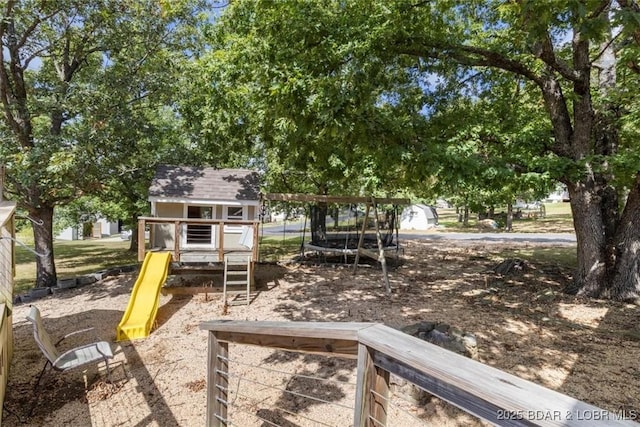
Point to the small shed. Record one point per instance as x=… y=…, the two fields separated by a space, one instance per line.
x=418 y=217
x=100 y=228
x=207 y=212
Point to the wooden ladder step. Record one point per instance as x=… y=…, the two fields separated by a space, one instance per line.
x=240 y=299
x=241 y=274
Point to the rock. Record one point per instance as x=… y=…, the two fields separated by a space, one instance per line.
x=36 y=293
x=442 y=335
x=511 y=265
x=86 y=280
x=416 y=329
x=487 y=224
x=67 y=283
x=99 y=275
x=25 y=299
x=129 y=268
x=445 y=336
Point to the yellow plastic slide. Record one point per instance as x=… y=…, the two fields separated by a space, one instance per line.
x=143 y=305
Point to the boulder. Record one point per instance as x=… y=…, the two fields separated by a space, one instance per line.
x=487 y=224
x=442 y=335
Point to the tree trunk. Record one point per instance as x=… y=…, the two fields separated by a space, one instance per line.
x=319 y=223
x=587 y=222
x=43 y=238
x=625 y=277
x=509 y=223
x=133 y=243
x=608 y=264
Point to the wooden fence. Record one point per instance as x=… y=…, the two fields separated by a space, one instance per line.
x=7 y=270
x=478 y=389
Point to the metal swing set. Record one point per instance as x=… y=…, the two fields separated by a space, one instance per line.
x=342 y=243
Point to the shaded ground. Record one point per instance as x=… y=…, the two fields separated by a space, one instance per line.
x=523 y=323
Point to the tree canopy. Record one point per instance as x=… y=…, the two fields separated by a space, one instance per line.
x=301 y=101
x=74 y=79
x=486 y=99
x=376 y=93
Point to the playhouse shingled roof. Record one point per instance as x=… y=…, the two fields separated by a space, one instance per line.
x=204 y=183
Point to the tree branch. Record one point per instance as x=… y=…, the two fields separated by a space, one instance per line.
x=547 y=54
x=33 y=26
x=632 y=6
x=5 y=84
x=605 y=47
x=471 y=56
x=12 y=87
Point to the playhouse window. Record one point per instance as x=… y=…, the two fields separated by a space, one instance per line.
x=204 y=212
x=235 y=213
x=199 y=234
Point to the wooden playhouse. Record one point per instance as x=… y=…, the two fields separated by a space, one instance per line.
x=208 y=219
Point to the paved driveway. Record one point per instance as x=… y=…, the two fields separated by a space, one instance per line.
x=488 y=237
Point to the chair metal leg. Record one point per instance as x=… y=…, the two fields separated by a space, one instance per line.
x=36 y=390
x=106 y=361
x=44 y=368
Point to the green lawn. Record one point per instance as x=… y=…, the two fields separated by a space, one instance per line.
x=561 y=256
x=276 y=248
x=557 y=219
x=73 y=258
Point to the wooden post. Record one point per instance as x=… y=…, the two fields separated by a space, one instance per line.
x=217 y=382
x=381 y=257
x=256 y=243
x=152 y=234
x=177 y=236
x=249 y=277
x=141 y=240
x=361 y=240
x=220 y=241
x=372 y=392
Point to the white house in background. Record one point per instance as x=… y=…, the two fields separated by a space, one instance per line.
x=418 y=217
x=70 y=233
x=100 y=228
x=560 y=195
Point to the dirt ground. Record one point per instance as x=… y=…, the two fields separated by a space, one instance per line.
x=523 y=323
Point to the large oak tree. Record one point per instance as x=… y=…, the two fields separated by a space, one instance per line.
x=322 y=86
x=69 y=70
x=581 y=58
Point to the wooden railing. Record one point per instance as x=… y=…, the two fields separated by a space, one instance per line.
x=480 y=390
x=178 y=224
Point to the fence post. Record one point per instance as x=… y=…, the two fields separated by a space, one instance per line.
x=217 y=382
x=372 y=391
x=141 y=240
x=177 y=237
x=221 y=241
x=256 y=243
